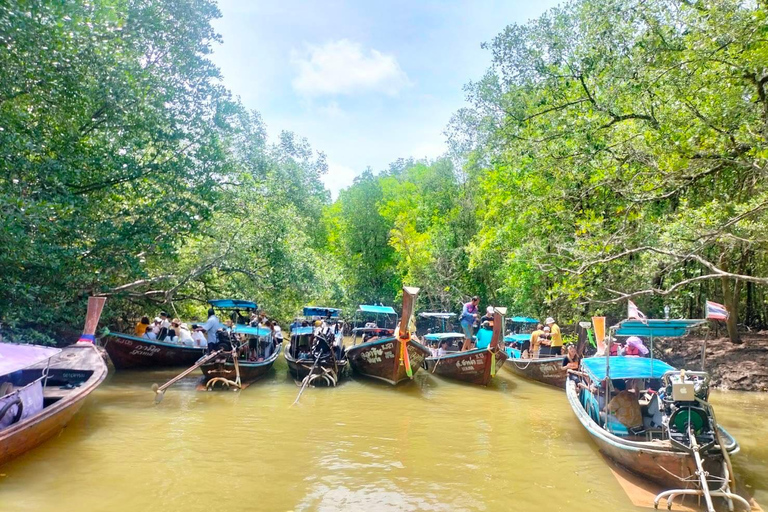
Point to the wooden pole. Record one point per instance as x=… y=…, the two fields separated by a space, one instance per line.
x=160 y=390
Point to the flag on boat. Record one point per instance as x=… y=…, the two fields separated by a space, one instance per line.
x=633 y=312
x=716 y=311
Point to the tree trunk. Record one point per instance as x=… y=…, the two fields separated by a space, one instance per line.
x=731 y=292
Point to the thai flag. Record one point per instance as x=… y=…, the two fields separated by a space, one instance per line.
x=633 y=312
x=716 y=311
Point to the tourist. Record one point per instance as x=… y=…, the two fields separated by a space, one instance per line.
x=467 y=318
x=487 y=320
x=149 y=334
x=165 y=326
x=545 y=341
x=156 y=326
x=277 y=333
x=185 y=336
x=635 y=348
x=174 y=333
x=210 y=327
x=534 y=350
x=142 y=326
x=198 y=336
x=556 y=339
x=571 y=361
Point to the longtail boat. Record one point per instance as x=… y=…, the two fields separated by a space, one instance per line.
x=393 y=359
x=316 y=354
x=545 y=369
x=676 y=441
x=42 y=387
x=132 y=352
x=475 y=366
x=245 y=354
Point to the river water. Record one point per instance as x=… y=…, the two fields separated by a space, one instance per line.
x=364 y=446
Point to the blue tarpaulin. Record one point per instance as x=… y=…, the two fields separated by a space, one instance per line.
x=513 y=353
x=379 y=310
x=437 y=336
x=523 y=320
x=232 y=304
x=519 y=338
x=254 y=331
x=321 y=311
x=298 y=331
x=655 y=327
x=625 y=367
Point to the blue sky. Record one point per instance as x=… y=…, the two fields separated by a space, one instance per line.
x=366 y=82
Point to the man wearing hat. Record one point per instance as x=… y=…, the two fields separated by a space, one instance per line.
x=556 y=339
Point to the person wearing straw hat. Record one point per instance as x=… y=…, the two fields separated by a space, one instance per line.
x=635 y=347
x=555 y=338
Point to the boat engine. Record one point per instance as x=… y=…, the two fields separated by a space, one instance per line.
x=686 y=409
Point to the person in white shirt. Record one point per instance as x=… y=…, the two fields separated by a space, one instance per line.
x=198 y=337
x=185 y=337
x=210 y=327
x=150 y=335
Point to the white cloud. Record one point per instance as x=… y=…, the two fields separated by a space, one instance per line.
x=338 y=177
x=344 y=67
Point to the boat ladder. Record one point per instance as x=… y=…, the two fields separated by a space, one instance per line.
x=703 y=476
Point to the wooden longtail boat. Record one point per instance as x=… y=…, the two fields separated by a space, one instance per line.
x=476 y=366
x=547 y=370
x=232 y=368
x=317 y=355
x=132 y=352
x=50 y=384
x=392 y=359
x=679 y=444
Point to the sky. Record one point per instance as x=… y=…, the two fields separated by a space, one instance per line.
x=366 y=82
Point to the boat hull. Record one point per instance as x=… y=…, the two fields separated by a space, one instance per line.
x=545 y=370
x=70 y=365
x=250 y=372
x=473 y=366
x=131 y=352
x=379 y=358
x=659 y=462
x=299 y=369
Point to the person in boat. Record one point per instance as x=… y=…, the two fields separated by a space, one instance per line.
x=155 y=327
x=534 y=350
x=467 y=318
x=545 y=341
x=198 y=337
x=149 y=334
x=635 y=348
x=142 y=326
x=625 y=406
x=555 y=337
x=571 y=361
x=185 y=336
x=211 y=326
x=487 y=319
x=165 y=326
x=174 y=333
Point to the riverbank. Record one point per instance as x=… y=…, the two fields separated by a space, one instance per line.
x=742 y=367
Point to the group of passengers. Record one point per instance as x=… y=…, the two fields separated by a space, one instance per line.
x=324 y=338
x=546 y=340
x=206 y=335
x=471 y=321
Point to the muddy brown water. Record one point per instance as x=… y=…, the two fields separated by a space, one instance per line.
x=429 y=445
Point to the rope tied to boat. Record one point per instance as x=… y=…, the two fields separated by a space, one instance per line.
x=405 y=359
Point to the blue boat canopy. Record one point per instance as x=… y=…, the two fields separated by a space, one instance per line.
x=300 y=331
x=379 y=310
x=655 y=327
x=622 y=367
x=321 y=311
x=519 y=338
x=254 y=331
x=438 y=336
x=523 y=320
x=233 y=304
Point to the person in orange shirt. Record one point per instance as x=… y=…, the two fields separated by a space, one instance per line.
x=141 y=327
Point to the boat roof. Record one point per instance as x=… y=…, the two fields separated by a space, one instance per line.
x=655 y=327
x=522 y=320
x=623 y=367
x=321 y=311
x=249 y=329
x=370 y=329
x=232 y=304
x=438 y=336
x=517 y=337
x=15 y=357
x=436 y=314
x=298 y=331
x=386 y=310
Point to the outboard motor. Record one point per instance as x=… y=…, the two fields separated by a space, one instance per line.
x=224 y=341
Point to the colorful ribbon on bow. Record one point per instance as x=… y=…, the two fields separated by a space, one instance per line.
x=405 y=359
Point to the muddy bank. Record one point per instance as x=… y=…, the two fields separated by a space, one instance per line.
x=741 y=367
